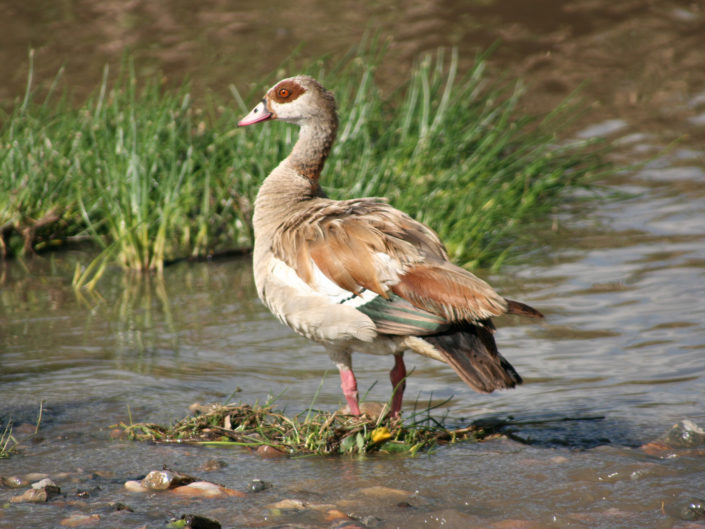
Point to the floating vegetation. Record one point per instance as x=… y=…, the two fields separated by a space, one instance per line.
x=8 y=443
x=310 y=432
x=149 y=177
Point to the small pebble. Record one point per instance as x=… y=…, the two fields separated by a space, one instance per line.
x=78 y=520
x=13 y=482
x=347 y=524
x=385 y=492
x=194 y=521
x=336 y=514
x=206 y=489
x=371 y=521
x=291 y=504
x=46 y=482
x=288 y=505
x=135 y=486
x=257 y=485
x=694 y=510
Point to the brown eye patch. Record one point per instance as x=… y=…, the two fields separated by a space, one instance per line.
x=287 y=91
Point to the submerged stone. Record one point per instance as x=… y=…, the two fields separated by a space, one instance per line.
x=379 y=491
x=347 y=524
x=213 y=464
x=336 y=514
x=206 y=489
x=288 y=504
x=37 y=495
x=693 y=510
x=46 y=482
x=292 y=504
x=12 y=482
x=258 y=485
x=685 y=434
x=118 y=507
x=194 y=521
x=370 y=521
x=35 y=476
x=135 y=486
x=77 y=520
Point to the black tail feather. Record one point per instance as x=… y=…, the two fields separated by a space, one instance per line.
x=522 y=309
x=472 y=352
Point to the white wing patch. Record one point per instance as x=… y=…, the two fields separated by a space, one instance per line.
x=336 y=294
x=322 y=285
x=286 y=275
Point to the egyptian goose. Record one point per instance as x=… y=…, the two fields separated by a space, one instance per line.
x=360 y=275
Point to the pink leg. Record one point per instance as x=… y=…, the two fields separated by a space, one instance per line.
x=398 y=377
x=349 y=386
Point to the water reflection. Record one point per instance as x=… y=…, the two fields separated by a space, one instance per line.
x=133 y=324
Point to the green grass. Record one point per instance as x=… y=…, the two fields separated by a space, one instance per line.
x=309 y=433
x=7 y=441
x=150 y=177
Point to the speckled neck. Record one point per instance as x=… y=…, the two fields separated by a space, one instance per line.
x=313 y=147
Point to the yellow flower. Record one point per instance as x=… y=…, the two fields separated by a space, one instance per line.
x=380 y=434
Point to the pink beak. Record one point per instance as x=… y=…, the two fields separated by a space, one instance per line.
x=259 y=113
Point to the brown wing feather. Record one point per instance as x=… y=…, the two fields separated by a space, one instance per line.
x=341 y=238
x=327 y=257
x=450 y=291
x=356 y=246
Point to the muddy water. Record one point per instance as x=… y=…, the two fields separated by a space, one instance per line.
x=619 y=359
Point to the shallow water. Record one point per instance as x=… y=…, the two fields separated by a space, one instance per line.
x=618 y=360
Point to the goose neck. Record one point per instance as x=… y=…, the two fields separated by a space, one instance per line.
x=312 y=148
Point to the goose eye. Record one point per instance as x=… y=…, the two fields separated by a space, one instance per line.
x=284 y=92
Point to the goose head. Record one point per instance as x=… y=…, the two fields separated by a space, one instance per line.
x=300 y=100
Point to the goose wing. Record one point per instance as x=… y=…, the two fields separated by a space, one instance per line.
x=386 y=264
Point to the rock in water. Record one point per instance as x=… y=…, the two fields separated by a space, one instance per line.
x=135 y=486
x=166 y=479
x=257 y=485
x=37 y=495
x=693 y=510
x=44 y=483
x=12 y=482
x=194 y=521
x=77 y=520
x=685 y=434
x=206 y=489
